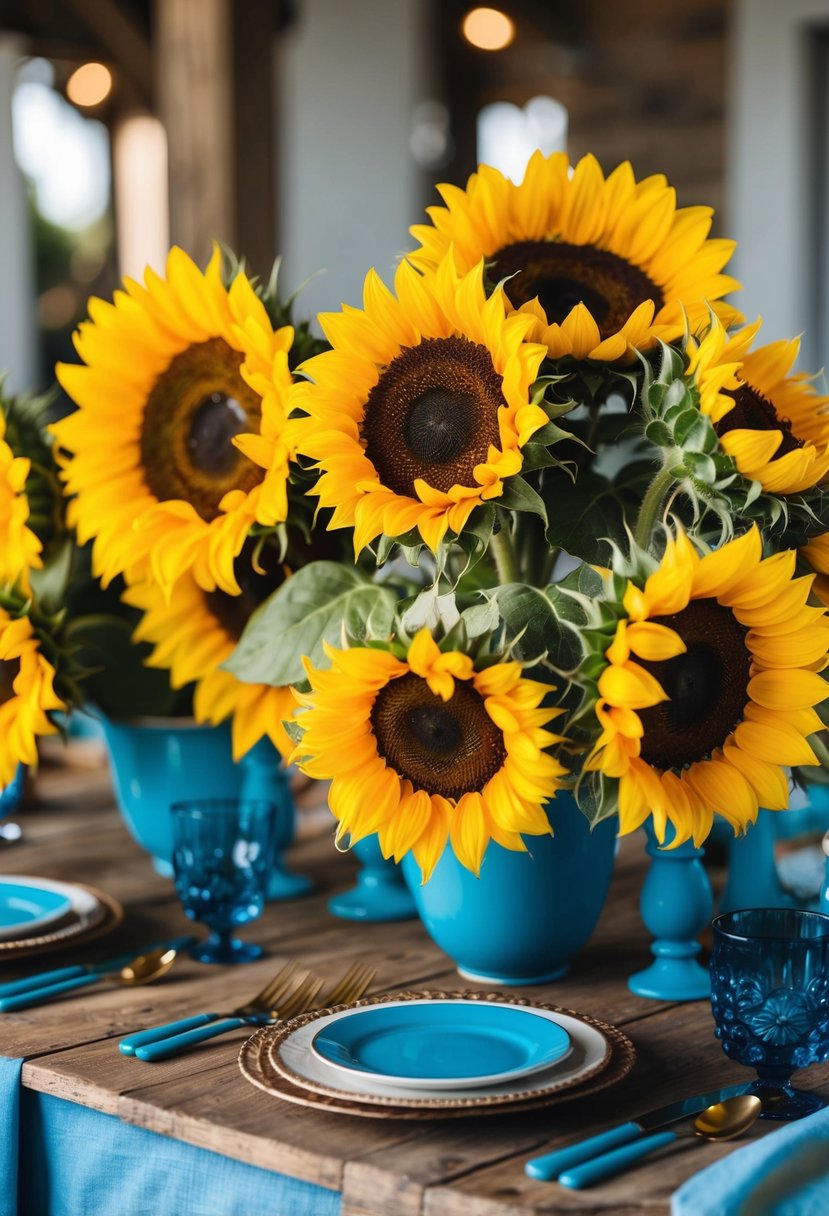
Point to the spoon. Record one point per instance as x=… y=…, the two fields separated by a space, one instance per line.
x=721 y=1121
x=143 y=969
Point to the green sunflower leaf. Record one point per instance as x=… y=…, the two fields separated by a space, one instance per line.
x=535 y=626
x=312 y=607
x=519 y=495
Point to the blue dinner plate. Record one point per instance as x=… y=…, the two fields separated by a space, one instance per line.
x=446 y=1044
x=25 y=906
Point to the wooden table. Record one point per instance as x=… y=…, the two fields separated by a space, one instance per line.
x=469 y=1167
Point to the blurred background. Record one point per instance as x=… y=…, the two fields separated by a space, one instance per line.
x=317 y=129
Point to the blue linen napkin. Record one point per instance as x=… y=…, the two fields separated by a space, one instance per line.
x=9 y=1129
x=784 y=1174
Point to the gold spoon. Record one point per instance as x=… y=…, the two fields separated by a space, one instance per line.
x=721 y=1121
x=143 y=969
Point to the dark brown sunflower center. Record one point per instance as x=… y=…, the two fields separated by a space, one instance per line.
x=707 y=686
x=233 y=611
x=444 y=747
x=433 y=414
x=753 y=412
x=563 y=275
x=9 y=669
x=195 y=408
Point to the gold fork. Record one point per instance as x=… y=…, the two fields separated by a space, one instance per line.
x=261 y=1004
x=302 y=999
x=348 y=989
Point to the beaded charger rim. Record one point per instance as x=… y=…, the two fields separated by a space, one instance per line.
x=257 y=1064
x=107 y=916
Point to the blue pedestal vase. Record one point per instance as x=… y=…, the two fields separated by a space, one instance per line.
x=676 y=904
x=158 y=761
x=380 y=892
x=264 y=778
x=11 y=796
x=529 y=914
x=752 y=874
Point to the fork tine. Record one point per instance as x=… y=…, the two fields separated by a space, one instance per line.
x=358 y=986
x=352 y=985
x=301 y=1000
x=334 y=995
x=274 y=987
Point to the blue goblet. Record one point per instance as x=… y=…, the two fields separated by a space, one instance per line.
x=221 y=857
x=770 y=999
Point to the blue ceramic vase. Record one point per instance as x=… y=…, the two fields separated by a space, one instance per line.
x=529 y=914
x=158 y=761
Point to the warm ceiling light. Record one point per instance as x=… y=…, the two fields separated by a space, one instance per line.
x=488 y=29
x=89 y=84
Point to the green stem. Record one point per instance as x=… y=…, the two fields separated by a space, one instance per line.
x=506 y=559
x=651 y=504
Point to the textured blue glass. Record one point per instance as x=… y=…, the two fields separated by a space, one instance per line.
x=221 y=858
x=770 y=998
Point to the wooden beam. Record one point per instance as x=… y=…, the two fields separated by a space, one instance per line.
x=194 y=62
x=255 y=24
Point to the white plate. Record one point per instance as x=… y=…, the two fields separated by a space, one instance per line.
x=296 y=1060
x=82 y=905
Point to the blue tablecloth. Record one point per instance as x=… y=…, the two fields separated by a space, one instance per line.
x=61 y=1159
x=784 y=1174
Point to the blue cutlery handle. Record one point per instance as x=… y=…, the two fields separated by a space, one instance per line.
x=180 y=1042
x=551 y=1165
x=155 y=1034
x=15 y=987
x=37 y=996
x=613 y=1163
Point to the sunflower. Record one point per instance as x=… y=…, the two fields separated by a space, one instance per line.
x=709 y=688
x=816 y=553
x=426 y=749
x=173 y=372
x=604 y=266
x=27 y=695
x=420 y=411
x=772 y=423
x=19 y=547
x=193 y=631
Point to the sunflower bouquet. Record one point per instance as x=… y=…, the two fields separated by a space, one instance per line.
x=177 y=515
x=547 y=516
x=596 y=506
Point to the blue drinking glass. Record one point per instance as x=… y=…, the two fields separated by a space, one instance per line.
x=221 y=853
x=770 y=999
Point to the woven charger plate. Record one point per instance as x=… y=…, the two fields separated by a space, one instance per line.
x=107 y=916
x=256 y=1060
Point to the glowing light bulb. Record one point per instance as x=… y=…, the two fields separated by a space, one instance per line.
x=89 y=84
x=488 y=29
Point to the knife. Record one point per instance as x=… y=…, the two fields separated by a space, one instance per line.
x=551 y=1165
x=46 y=979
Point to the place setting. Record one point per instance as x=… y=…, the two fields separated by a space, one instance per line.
x=42 y=914
x=432 y=1054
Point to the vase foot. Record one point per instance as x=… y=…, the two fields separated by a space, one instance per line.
x=377 y=904
x=513 y=981
x=226 y=953
x=784 y=1102
x=164 y=868
x=672 y=979
x=282 y=884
